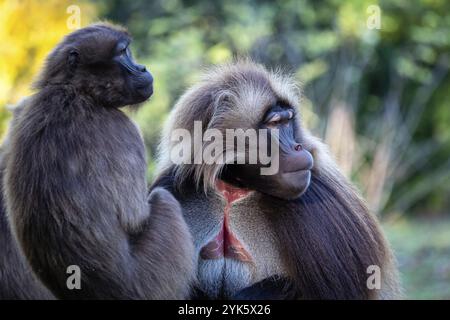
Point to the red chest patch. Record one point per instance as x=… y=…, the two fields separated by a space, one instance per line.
x=225 y=244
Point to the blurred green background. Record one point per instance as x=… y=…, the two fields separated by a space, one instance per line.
x=379 y=95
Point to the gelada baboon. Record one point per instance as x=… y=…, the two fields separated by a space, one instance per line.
x=75 y=184
x=303 y=232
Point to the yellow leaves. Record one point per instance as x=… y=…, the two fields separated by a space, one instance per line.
x=29 y=30
x=352 y=17
x=219 y=53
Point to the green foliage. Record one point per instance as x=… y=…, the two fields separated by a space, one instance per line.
x=422 y=248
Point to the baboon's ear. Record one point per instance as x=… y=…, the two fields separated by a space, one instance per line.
x=73 y=57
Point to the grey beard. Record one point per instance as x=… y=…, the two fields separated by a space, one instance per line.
x=222 y=278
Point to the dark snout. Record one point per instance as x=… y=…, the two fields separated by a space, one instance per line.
x=289 y=182
x=295 y=172
x=144 y=83
x=296 y=159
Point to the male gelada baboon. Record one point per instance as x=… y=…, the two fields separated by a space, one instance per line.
x=301 y=233
x=75 y=184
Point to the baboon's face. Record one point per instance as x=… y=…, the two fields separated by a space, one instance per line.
x=100 y=64
x=137 y=81
x=295 y=163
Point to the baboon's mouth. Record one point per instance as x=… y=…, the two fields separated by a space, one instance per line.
x=297 y=171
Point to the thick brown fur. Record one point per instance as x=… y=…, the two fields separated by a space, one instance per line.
x=326 y=239
x=75 y=186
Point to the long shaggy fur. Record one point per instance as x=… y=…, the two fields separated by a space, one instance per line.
x=75 y=185
x=327 y=237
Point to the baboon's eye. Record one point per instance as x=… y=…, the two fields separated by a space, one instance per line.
x=291 y=114
x=122 y=48
x=278 y=117
x=128 y=52
x=274 y=119
x=124 y=51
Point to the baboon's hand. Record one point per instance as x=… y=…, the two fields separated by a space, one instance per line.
x=160 y=197
x=177 y=247
x=166 y=216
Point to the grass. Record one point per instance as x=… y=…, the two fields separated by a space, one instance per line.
x=422 y=248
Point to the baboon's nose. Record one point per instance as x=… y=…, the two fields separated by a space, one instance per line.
x=298 y=147
x=141 y=68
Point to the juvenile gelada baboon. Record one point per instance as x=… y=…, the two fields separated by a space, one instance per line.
x=75 y=186
x=303 y=232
